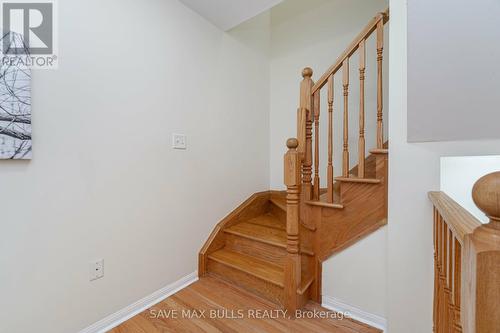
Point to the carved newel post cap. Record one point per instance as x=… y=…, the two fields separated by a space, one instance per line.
x=292 y=143
x=486 y=195
x=307 y=72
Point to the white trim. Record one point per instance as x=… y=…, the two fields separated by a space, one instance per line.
x=355 y=313
x=128 y=312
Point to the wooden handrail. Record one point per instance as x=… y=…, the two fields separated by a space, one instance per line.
x=467 y=261
x=349 y=51
x=460 y=221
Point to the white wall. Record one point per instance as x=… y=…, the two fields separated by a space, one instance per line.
x=357 y=276
x=314 y=33
x=460 y=173
x=453 y=67
x=414 y=170
x=104 y=182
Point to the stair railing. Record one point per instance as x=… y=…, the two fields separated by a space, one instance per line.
x=467 y=261
x=309 y=112
x=298 y=161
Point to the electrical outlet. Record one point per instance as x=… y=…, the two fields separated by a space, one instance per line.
x=179 y=141
x=96 y=269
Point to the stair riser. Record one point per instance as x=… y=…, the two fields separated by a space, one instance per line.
x=256 y=249
x=246 y=281
x=278 y=212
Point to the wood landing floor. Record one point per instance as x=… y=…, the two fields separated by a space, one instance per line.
x=212 y=305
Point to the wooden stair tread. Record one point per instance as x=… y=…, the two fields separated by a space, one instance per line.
x=268 y=220
x=379 y=151
x=259 y=233
x=264 y=234
x=323 y=203
x=358 y=180
x=250 y=265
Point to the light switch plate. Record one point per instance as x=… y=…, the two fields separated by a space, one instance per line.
x=96 y=269
x=179 y=141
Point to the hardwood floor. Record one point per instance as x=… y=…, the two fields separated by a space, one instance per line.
x=212 y=305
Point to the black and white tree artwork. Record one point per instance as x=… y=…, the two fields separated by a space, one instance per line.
x=15 y=102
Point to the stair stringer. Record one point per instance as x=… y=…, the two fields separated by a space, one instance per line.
x=363 y=213
x=364 y=210
x=254 y=206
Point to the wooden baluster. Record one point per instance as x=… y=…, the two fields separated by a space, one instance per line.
x=380 y=49
x=330 y=141
x=451 y=254
x=292 y=263
x=444 y=308
x=307 y=165
x=306 y=104
x=451 y=276
x=436 y=272
x=316 y=107
x=345 y=81
x=457 y=286
x=439 y=242
x=481 y=304
x=442 y=279
x=361 y=144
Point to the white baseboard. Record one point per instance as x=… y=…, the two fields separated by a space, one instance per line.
x=355 y=313
x=128 y=312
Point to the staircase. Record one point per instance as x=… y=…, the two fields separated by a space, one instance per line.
x=275 y=242
x=248 y=247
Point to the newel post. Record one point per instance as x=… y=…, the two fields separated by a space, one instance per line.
x=482 y=271
x=292 y=263
x=304 y=130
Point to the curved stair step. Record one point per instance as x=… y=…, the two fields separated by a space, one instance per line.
x=272 y=236
x=268 y=220
x=261 y=269
x=263 y=234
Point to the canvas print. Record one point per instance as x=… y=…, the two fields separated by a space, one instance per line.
x=15 y=103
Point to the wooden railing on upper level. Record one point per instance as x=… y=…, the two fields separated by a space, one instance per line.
x=467 y=261
x=310 y=109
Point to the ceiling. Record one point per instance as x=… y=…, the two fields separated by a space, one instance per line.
x=227 y=14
